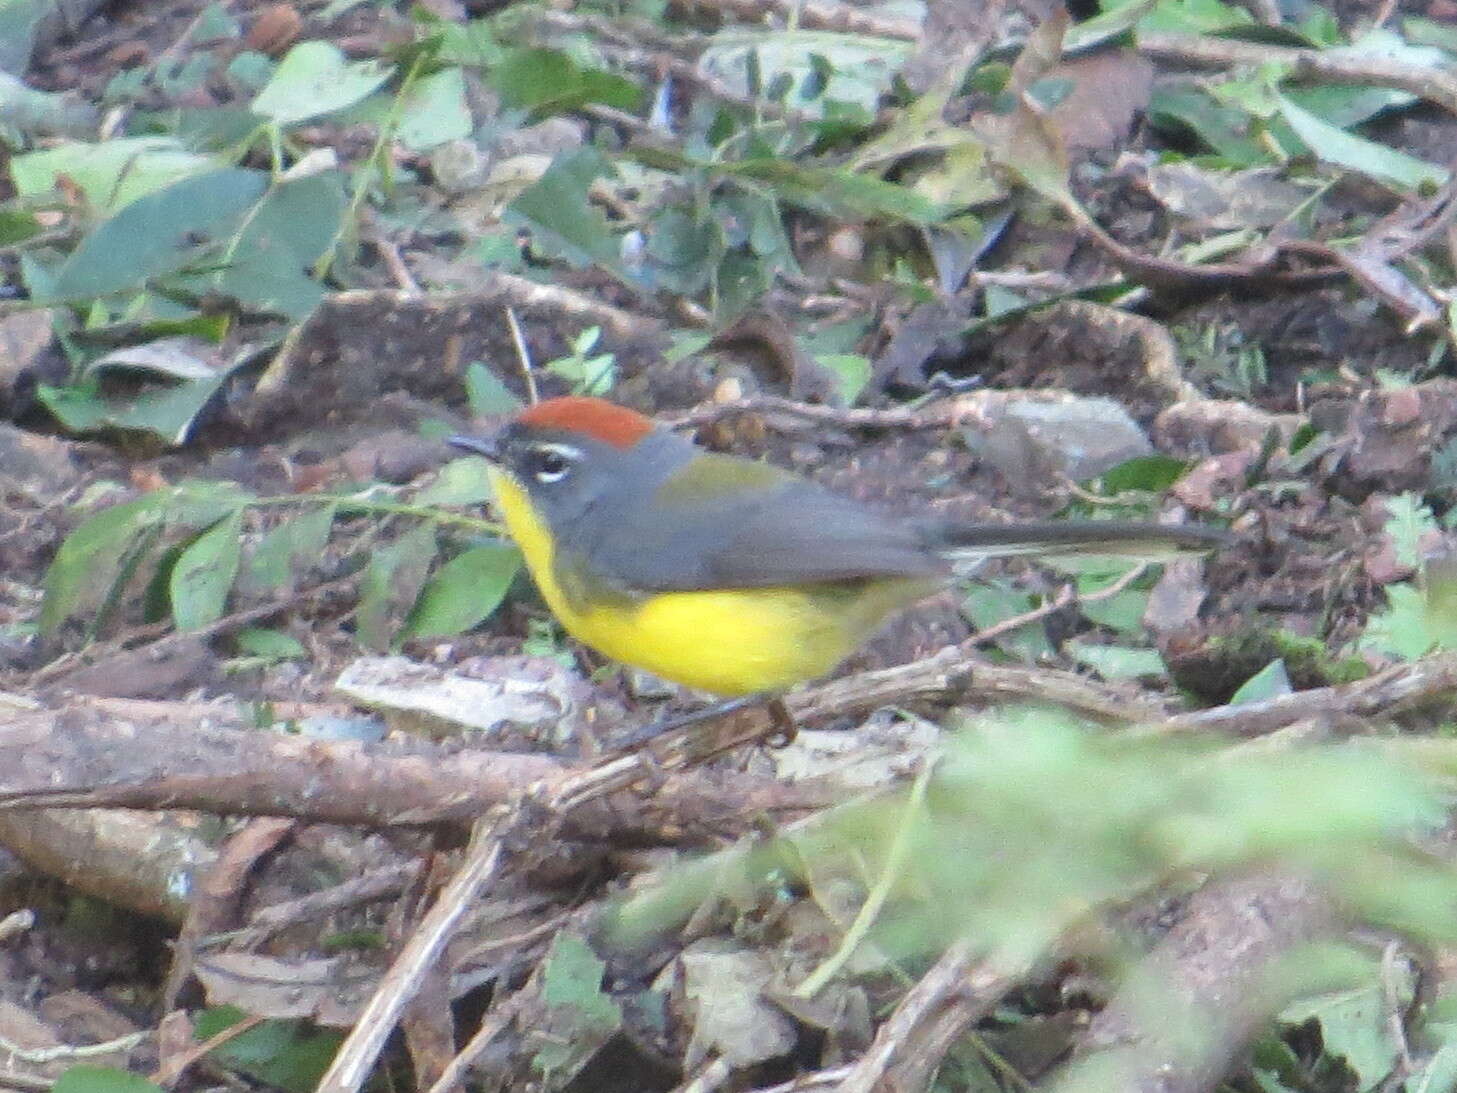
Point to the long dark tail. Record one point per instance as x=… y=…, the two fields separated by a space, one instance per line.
x=1126 y=538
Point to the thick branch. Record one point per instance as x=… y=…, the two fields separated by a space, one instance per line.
x=1185 y=1016
x=160 y=756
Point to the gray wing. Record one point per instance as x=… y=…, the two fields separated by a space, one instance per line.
x=788 y=531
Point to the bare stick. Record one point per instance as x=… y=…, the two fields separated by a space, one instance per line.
x=58 y=668
x=1181 y=1021
x=523 y=356
x=818 y=15
x=940 y=415
x=357 y=1055
x=492 y=1025
x=1435 y=84
x=1066 y=598
x=375 y=885
x=1376 y=696
x=956 y=980
x=172 y=1070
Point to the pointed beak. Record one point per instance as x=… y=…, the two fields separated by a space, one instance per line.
x=487 y=446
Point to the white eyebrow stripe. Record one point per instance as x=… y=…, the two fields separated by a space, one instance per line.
x=566 y=451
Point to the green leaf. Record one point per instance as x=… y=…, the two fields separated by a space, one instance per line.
x=102 y=1079
x=434 y=111
x=157 y=234
x=562 y=218
x=464 y=591
x=198 y=504
x=988 y=603
x=1123 y=611
x=1401 y=630
x=1438 y=1074
x=1117 y=661
x=1153 y=473
x=1345 y=107
x=573 y=978
x=204 y=573
x=1225 y=129
x=283 y=235
x=1113 y=21
x=1033 y=819
x=815 y=71
x=314 y=79
x=1408 y=520
x=1377 y=161
x=1439 y=583
x=1193 y=17
x=16 y=226
x=1355 y=1026
x=851 y=371
x=287 y=1054
x=548 y=81
x=1270 y=681
x=250 y=70
x=1031 y=146
x=472 y=44
x=391 y=584
x=1440 y=33
x=463 y=481
x=214 y=22
x=89 y=560
x=836 y=191
x=269 y=644
x=35 y=113
x=588 y=375
x=19 y=20
x=167 y=413
x=684 y=245
x=486 y=394
x=293 y=545
x=111 y=174
x=190 y=375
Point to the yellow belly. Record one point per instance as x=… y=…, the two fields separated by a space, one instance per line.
x=728 y=641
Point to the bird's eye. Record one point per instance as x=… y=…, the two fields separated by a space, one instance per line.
x=550 y=464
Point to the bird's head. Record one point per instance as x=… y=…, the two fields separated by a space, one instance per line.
x=567 y=453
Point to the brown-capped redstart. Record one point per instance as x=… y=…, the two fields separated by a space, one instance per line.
x=724 y=573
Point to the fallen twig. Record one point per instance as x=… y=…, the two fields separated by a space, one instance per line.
x=119 y=754
x=1181 y=1020
x=492 y=1025
x=137 y=639
x=497 y=839
x=957 y=985
x=1380 y=695
x=1065 y=598
x=14 y=1052
x=357 y=1055
x=375 y=885
x=171 y=1070
x=937 y=415
x=816 y=15
x=1432 y=83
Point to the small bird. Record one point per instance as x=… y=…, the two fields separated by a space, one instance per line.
x=723 y=573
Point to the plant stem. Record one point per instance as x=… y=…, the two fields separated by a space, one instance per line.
x=371 y=166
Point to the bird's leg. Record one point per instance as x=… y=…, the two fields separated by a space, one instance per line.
x=785 y=725
x=780 y=722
